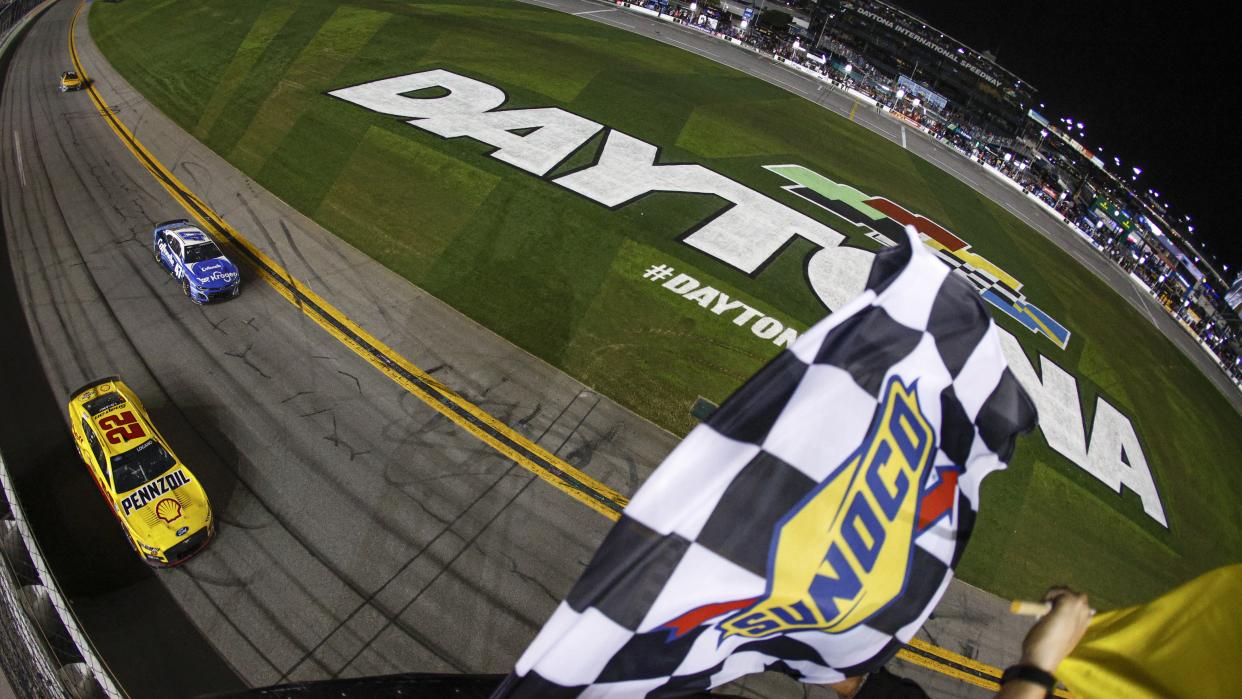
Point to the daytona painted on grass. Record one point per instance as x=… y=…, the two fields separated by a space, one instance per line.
x=559 y=269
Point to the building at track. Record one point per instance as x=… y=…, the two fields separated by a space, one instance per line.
x=897 y=51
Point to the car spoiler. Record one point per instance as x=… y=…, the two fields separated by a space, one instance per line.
x=92 y=384
x=171 y=223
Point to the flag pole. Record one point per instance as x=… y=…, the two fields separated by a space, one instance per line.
x=1027 y=608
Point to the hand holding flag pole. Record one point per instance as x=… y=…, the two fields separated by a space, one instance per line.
x=1172 y=646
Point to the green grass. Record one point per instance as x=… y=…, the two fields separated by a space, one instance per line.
x=561 y=276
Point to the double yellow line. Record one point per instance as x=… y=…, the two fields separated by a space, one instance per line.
x=463 y=413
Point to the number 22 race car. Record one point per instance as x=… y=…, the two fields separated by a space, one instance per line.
x=189 y=254
x=161 y=506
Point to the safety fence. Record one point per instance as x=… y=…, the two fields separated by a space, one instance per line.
x=11 y=13
x=43 y=652
x=42 y=648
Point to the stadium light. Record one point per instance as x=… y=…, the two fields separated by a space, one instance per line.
x=849 y=68
x=1080 y=127
x=694 y=6
x=900 y=93
x=1138 y=171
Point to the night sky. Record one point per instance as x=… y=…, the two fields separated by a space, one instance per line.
x=1151 y=85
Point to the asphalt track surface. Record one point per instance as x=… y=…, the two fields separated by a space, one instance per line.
x=361 y=532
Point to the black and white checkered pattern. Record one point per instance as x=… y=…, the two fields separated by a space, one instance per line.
x=700 y=530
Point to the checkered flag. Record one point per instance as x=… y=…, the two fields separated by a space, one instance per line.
x=813 y=522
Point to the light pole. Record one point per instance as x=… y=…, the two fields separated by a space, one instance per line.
x=822 y=27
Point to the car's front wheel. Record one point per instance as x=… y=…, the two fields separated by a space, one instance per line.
x=130 y=538
x=185 y=288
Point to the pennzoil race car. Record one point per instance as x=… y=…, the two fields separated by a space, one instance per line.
x=70 y=80
x=161 y=506
x=189 y=254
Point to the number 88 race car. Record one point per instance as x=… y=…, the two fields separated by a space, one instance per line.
x=189 y=254
x=161 y=506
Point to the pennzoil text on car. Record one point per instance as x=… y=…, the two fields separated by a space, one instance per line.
x=160 y=504
x=190 y=255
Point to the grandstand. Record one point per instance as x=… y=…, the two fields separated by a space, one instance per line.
x=964 y=97
x=897 y=50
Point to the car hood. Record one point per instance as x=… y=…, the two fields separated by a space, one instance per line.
x=167 y=509
x=212 y=273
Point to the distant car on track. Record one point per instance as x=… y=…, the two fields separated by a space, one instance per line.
x=69 y=80
x=189 y=254
x=161 y=506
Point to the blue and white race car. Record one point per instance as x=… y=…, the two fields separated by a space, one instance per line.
x=192 y=256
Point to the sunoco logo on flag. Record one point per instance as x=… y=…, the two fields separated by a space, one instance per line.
x=844 y=553
x=813 y=522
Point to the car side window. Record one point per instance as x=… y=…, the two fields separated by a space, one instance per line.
x=100 y=462
x=179 y=249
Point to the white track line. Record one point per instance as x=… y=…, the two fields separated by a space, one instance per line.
x=591 y=12
x=21 y=166
x=702 y=51
x=903 y=138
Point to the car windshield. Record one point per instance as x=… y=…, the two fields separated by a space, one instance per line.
x=202 y=251
x=71 y=76
x=102 y=403
x=139 y=465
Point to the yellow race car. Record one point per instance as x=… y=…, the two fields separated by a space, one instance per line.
x=69 y=80
x=162 y=507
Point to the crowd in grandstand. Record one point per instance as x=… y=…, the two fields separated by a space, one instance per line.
x=1039 y=172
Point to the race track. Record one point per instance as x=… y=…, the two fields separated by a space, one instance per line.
x=361 y=532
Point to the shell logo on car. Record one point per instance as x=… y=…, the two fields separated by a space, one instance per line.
x=168 y=510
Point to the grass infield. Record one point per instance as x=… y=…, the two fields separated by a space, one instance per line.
x=562 y=277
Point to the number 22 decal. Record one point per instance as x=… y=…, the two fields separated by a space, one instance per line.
x=121 y=428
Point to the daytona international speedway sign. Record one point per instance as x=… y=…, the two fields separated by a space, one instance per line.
x=753 y=229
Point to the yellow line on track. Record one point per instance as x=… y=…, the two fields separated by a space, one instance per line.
x=463 y=413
